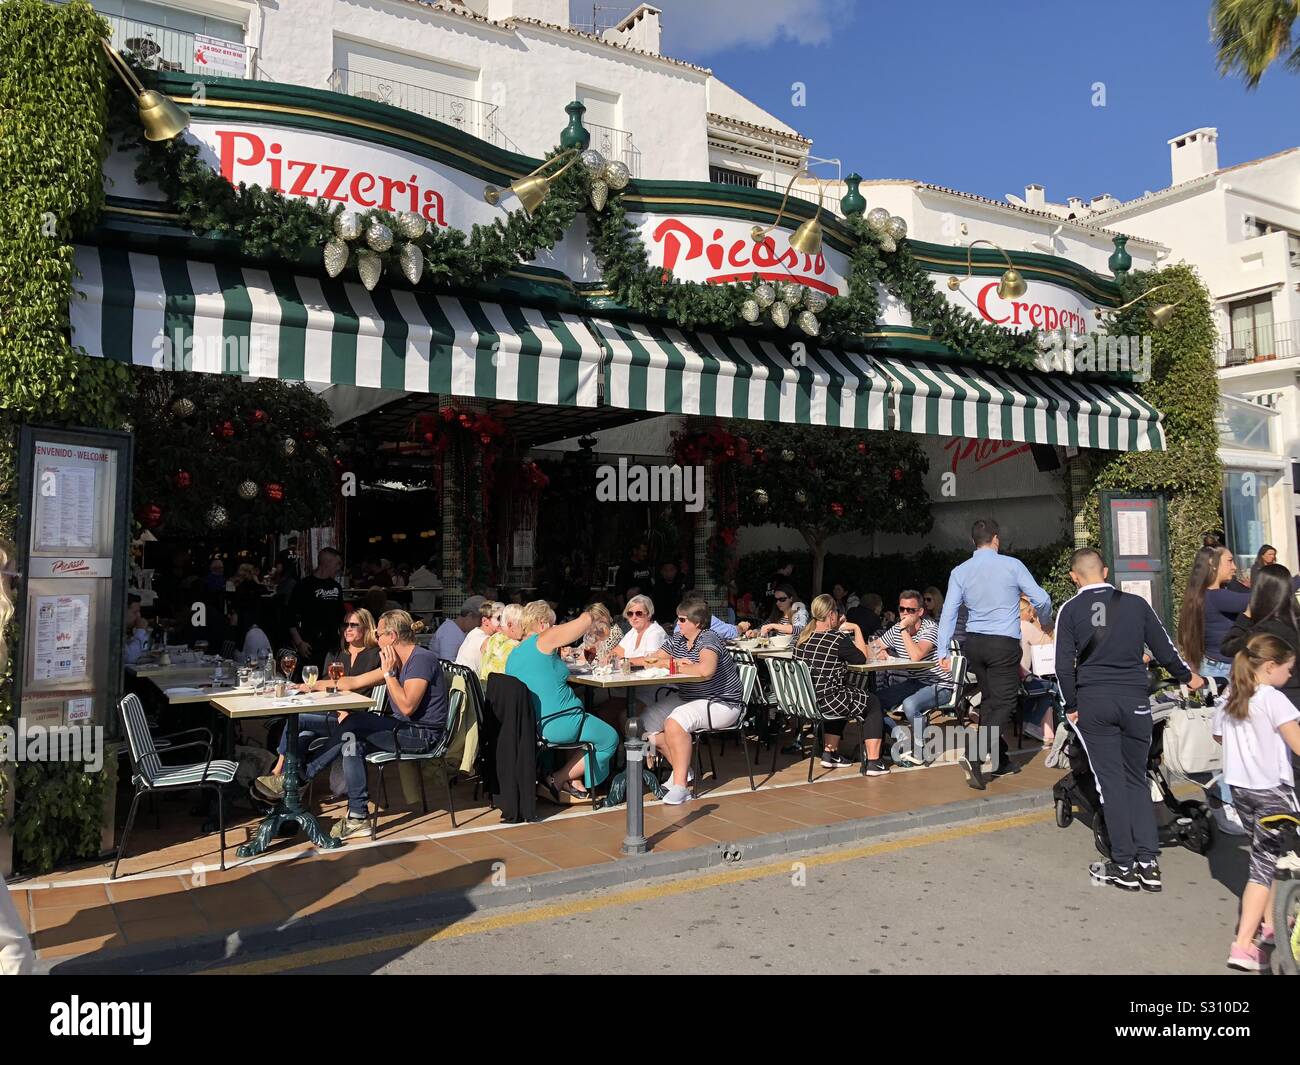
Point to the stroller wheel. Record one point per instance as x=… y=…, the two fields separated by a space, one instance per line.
x=1200 y=834
x=1100 y=837
x=1064 y=813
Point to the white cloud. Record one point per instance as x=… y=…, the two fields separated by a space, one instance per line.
x=698 y=28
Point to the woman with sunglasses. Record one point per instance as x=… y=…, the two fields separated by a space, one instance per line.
x=645 y=636
x=358 y=653
x=789 y=616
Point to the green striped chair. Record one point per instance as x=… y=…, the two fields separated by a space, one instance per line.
x=148 y=774
x=792 y=684
x=383 y=759
x=740 y=730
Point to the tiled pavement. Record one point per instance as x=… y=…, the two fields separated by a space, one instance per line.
x=172 y=890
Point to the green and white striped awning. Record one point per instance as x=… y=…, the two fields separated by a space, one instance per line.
x=223 y=318
x=986 y=403
x=655 y=368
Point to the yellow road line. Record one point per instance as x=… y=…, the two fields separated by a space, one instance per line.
x=557 y=910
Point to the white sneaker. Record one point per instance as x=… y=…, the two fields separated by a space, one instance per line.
x=676 y=795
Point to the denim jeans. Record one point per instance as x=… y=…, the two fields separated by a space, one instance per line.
x=357 y=734
x=310 y=726
x=914 y=697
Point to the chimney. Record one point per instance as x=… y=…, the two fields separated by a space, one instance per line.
x=1035 y=197
x=1193 y=155
x=1104 y=202
x=640 y=29
x=553 y=12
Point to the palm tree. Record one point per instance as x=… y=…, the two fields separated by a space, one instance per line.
x=1253 y=34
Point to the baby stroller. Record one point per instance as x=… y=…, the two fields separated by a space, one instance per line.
x=1181 y=823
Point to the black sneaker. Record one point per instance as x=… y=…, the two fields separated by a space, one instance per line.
x=834 y=760
x=974 y=777
x=1148 y=874
x=1005 y=768
x=876 y=767
x=1118 y=876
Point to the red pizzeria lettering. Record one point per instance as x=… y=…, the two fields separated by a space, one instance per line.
x=70 y=566
x=682 y=243
x=239 y=151
x=1039 y=315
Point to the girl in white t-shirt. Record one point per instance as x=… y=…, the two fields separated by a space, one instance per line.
x=1256 y=724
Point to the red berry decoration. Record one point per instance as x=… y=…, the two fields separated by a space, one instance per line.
x=862 y=448
x=428 y=438
x=837 y=509
x=150 y=515
x=260 y=416
x=226 y=430
x=898 y=474
x=275 y=492
x=183 y=479
x=484 y=439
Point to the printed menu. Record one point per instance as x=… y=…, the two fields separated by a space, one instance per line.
x=62 y=630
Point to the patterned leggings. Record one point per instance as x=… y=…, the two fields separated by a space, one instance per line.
x=1265 y=843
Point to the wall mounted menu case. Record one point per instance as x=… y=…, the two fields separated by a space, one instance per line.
x=74 y=539
x=1135 y=545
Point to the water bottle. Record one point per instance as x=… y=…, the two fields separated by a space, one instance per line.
x=269 y=665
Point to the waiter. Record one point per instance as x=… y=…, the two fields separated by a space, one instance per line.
x=1101 y=635
x=989 y=586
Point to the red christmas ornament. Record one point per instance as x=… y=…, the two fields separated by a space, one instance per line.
x=226 y=430
x=428 y=438
x=183 y=479
x=898 y=474
x=862 y=448
x=837 y=509
x=150 y=515
x=275 y=492
x=484 y=439
x=260 y=416
x=759 y=453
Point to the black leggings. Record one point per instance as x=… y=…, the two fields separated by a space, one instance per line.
x=873 y=721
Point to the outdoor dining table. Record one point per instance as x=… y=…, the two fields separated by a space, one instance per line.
x=290 y=808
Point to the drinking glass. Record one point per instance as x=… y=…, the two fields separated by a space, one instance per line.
x=244 y=676
x=257 y=678
x=288 y=663
x=336 y=673
x=309 y=675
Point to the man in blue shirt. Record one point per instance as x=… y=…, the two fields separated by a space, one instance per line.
x=989 y=586
x=723 y=629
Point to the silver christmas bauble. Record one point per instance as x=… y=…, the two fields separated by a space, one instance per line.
x=815 y=300
x=801 y=496
x=887 y=243
x=877 y=219
x=379 y=236
x=808 y=323
x=791 y=293
x=348 y=225
x=183 y=407
x=248 y=490
x=787 y=455
x=593 y=162
x=288 y=445
x=411 y=258
x=750 y=311
x=411 y=225
x=336 y=256
x=218 y=517
x=599 y=194
x=369 y=266
x=760 y=496
x=896 y=227
x=616 y=175
x=765 y=295
x=780 y=315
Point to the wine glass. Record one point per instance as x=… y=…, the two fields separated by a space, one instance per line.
x=288 y=663
x=309 y=675
x=257 y=678
x=336 y=673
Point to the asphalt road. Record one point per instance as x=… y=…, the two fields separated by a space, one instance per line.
x=1009 y=896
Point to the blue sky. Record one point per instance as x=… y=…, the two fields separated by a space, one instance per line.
x=987 y=97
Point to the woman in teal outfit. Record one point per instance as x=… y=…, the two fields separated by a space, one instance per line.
x=536 y=662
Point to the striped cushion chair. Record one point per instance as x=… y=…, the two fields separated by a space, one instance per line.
x=740 y=730
x=795 y=698
x=148 y=773
x=437 y=754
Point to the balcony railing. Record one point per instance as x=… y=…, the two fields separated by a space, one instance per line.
x=475 y=117
x=830 y=201
x=156 y=47
x=1280 y=340
x=615 y=144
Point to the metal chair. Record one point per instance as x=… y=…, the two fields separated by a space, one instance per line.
x=796 y=699
x=957 y=695
x=148 y=773
x=748 y=683
x=586 y=746
x=383 y=759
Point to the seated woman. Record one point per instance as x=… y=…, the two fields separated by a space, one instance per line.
x=789 y=616
x=828 y=644
x=1039 y=715
x=536 y=662
x=358 y=653
x=497 y=647
x=714 y=701
x=645 y=636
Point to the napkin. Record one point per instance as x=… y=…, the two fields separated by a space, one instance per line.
x=183 y=691
x=652 y=673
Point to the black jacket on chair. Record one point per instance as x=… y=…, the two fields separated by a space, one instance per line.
x=514 y=744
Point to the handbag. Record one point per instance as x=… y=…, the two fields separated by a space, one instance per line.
x=1189 y=745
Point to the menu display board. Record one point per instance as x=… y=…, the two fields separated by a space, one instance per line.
x=59 y=639
x=1134 y=535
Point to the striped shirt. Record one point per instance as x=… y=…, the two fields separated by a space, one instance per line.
x=927 y=632
x=724 y=685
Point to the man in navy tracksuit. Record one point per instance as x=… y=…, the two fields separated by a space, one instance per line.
x=1100 y=637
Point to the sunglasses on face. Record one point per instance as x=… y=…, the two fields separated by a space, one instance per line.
x=683 y=621
x=909 y=609
x=635 y=614
x=783 y=599
x=352 y=625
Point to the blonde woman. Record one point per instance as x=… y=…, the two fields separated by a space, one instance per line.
x=16 y=955
x=1038 y=716
x=497 y=647
x=645 y=635
x=536 y=663
x=358 y=653
x=828 y=644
